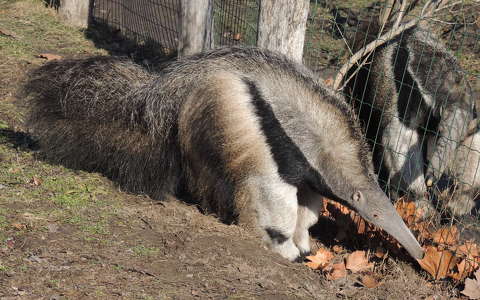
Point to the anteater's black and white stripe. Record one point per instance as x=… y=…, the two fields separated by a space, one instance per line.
x=244 y=132
x=412 y=90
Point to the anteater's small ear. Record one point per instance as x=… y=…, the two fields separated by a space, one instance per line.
x=357 y=197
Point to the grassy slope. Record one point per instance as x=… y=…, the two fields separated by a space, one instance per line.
x=34 y=30
x=84 y=203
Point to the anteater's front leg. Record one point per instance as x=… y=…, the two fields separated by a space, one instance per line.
x=309 y=205
x=275 y=203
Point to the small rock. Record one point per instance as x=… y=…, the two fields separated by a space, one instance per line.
x=19 y=291
x=52 y=227
x=10 y=243
x=34 y=258
x=54 y=297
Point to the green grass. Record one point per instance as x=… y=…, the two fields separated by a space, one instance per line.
x=3 y=221
x=3 y=268
x=95 y=228
x=142 y=250
x=38 y=29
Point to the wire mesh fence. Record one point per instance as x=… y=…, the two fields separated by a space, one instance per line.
x=144 y=21
x=235 y=22
x=415 y=96
x=416 y=67
x=155 y=21
x=335 y=30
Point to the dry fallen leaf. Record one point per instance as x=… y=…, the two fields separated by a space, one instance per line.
x=49 y=56
x=437 y=263
x=237 y=36
x=464 y=269
x=380 y=252
x=358 y=261
x=19 y=226
x=447 y=235
x=472 y=287
x=469 y=249
x=337 y=271
x=359 y=222
x=446 y=258
x=332 y=206
x=369 y=281
x=320 y=260
x=36 y=181
x=405 y=209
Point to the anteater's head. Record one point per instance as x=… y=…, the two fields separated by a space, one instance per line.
x=374 y=206
x=355 y=183
x=345 y=164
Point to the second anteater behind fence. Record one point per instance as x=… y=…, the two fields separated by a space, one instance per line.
x=249 y=134
x=417 y=106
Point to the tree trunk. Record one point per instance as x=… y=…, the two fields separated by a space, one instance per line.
x=196 y=22
x=281 y=26
x=75 y=12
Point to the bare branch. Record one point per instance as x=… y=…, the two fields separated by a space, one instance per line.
x=401 y=14
x=428 y=9
x=386 y=12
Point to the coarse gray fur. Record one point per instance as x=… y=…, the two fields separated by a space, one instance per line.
x=244 y=132
x=464 y=172
x=411 y=91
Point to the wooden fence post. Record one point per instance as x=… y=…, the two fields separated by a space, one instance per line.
x=196 y=26
x=281 y=26
x=75 y=12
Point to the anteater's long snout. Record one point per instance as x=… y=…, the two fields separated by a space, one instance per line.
x=394 y=225
x=377 y=209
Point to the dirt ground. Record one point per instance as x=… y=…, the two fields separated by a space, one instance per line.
x=67 y=234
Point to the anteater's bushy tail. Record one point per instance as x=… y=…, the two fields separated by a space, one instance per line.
x=87 y=115
x=88 y=89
